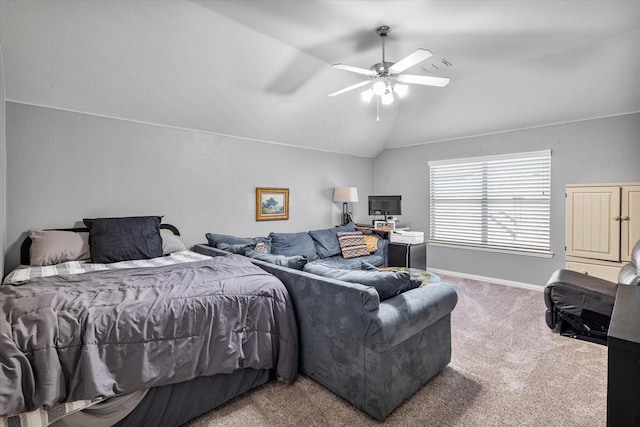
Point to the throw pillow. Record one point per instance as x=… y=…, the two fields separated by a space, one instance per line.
x=238 y=248
x=54 y=247
x=352 y=244
x=261 y=247
x=124 y=239
x=296 y=261
x=371 y=240
x=386 y=283
x=326 y=240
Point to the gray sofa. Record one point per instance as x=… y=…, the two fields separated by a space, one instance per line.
x=315 y=246
x=373 y=353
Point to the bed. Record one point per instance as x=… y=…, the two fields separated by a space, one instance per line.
x=128 y=338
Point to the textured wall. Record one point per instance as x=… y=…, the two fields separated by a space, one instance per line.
x=3 y=165
x=591 y=151
x=65 y=166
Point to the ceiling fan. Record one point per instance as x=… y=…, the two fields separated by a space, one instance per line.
x=387 y=78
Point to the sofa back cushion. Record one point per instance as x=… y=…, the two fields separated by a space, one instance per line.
x=326 y=240
x=387 y=283
x=294 y=261
x=225 y=241
x=293 y=244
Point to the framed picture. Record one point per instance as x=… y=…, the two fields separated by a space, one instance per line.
x=272 y=204
x=384 y=224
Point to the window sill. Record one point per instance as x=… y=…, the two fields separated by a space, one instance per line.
x=539 y=254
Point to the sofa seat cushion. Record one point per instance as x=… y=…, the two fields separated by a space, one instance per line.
x=387 y=283
x=326 y=240
x=293 y=244
x=353 y=263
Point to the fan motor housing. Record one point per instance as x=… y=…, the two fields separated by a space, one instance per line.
x=381 y=68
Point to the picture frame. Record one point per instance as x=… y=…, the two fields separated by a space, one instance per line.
x=272 y=204
x=384 y=224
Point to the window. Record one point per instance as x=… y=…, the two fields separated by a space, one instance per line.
x=497 y=202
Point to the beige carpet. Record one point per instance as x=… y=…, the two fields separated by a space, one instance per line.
x=507 y=369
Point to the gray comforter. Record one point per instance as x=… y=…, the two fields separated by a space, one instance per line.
x=106 y=333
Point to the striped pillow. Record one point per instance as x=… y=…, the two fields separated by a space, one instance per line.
x=352 y=244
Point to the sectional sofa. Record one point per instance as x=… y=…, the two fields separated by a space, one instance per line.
x=374 y=353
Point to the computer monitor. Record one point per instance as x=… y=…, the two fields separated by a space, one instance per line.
x=385 y=205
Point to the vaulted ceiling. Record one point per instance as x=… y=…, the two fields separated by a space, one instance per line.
x=260 y=69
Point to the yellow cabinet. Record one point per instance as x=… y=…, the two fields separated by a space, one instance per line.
x=603 y=225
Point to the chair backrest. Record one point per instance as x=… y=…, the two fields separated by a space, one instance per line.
x=630 y=273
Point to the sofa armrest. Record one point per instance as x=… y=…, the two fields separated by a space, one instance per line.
x=383 y=250
x=404 y=315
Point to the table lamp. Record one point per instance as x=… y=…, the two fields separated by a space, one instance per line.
x=345 y=195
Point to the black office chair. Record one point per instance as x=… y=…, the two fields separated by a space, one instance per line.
x=580 y=306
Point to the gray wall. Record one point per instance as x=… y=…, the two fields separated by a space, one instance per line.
x=64 y=166
x=591 y=151
x=3 y=164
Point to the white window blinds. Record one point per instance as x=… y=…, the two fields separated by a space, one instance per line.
x=497 y=202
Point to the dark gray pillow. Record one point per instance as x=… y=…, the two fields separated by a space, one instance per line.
x=326 y=240
x=295 y=261
x=124 y=239
x=216 y=239
x=293 y=244
x=387 y=283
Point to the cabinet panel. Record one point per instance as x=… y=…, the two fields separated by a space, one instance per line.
x=593 y=222
x=630 y=217
x=605 y=272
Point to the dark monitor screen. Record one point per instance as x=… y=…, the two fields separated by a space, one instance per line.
x=385 y=205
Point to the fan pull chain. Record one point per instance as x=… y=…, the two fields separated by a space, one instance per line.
x=377 y=108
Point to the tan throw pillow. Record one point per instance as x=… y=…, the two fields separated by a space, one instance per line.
x=371 y=241
x=352 y=244
x=261 y=247
x=54 y=247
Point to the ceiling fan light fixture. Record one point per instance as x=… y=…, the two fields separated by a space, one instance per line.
x=387 y=97
x=379 y=88
x=367 y=95
x=400 y=89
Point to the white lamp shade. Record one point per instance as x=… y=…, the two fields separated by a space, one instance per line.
x=345 y=194
x=387 y=97
x=367 y=95
x=379 y=88
x=400 y=89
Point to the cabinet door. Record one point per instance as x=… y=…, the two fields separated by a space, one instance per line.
x=630 y=217
x=593 y=222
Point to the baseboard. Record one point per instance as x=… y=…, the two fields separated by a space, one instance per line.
x=515 y=284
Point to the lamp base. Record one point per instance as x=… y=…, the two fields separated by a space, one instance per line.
x=345 y=214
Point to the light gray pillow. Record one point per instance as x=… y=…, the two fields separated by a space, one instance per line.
x=49 y=247
x=170 y=242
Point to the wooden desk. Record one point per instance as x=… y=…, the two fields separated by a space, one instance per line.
x=623 y=385
x=382 y=232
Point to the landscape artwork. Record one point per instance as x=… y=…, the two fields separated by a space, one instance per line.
x=272 y=203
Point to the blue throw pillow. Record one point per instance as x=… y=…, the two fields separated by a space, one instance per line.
x=124 y=238
x=216 y=240
x=387 y=283
x=326 y=240
x=293 y=244
x=295 y=261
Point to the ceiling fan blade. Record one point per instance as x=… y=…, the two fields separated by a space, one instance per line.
x=358 y=70
x=423 y=80
x=347 y=89
x=410 y=60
